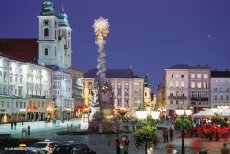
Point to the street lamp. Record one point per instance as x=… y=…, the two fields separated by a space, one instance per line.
x=182 y=113
x=155 y=114
x=141 y=113
x=218 y=110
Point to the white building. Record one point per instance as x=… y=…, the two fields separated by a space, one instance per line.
x=220 y=88
x=54 y=37
x=62 y=91
x=23 y=86
x=187 y=86
x=127 y=88
x=176 y=86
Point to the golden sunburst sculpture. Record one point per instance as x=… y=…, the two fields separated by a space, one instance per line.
x=101 y=28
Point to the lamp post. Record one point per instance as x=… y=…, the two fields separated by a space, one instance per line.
x=218 y=110
x=182 y=113
x=141 y=113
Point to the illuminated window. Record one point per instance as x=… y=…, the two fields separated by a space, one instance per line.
x=198 y=76
x=192 y=84
x=205 y=76
x=182 y=84
x=193 y=76
x=199 y=85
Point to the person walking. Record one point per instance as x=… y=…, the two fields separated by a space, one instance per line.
x=117 y=142
x=149 y=149
x=28 y=131
x=126 y=145
x=224 y=149
x=165 y=134
x=15 y=124
x=171 y=134
x=12 y=125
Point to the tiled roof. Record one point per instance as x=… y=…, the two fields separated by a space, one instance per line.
x=24 y=49
x=112 y=73
x=220 y=74
x=185 y=66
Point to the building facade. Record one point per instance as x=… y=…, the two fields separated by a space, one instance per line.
x=127 y=88
x=25 y=88
x=220 y=88
x=187 y=86
x=77 y=87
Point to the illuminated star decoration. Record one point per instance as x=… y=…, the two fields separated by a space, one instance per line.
x=101 y=28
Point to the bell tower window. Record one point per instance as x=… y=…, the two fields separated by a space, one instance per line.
x=46 y=51
x=46 y=32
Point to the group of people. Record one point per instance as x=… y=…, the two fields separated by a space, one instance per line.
x=122 y=144
x=13 y=125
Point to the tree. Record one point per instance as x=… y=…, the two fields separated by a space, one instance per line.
x=146 y=134
x=183 y=123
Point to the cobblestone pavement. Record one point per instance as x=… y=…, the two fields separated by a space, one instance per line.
x=104 y=143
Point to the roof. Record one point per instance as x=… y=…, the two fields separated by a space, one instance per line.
x=23 y=49
x=185 y=66
x=56 y=68
x=220 y=74
x=112 y=73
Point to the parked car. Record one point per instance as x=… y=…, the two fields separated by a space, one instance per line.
x=74 y=148
x=45 y=145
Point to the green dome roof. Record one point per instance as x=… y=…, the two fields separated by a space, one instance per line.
x=63 y=19
x=48 y=8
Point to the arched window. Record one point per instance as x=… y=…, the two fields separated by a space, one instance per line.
x=46 y=51
x=46 y=32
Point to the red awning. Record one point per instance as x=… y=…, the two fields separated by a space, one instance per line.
x=80 y=107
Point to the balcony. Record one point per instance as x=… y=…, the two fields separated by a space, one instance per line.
x=177 y=97
x=199 y=99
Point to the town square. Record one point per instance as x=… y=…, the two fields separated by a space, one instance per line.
x=115 y=77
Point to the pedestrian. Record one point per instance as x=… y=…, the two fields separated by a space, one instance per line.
x=126 y=145
x=165 y=134
x=224 y=149
x=117 y=142
x=28 y=131
x=22 y=121
x=170 y=149
x=23 y=131
x=171 y=134
x=15 y=124
x=122 y=144
x=12 y=124
x=149 y=149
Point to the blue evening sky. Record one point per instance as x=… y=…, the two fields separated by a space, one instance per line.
x=148 y=35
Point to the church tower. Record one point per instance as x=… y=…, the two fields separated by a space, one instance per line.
x=64 y=33
x=54 y=49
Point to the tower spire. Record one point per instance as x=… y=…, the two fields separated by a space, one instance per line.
x=62 y=7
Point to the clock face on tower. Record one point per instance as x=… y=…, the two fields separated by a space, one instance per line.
x=46 y=22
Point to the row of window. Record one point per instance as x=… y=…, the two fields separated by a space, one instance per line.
x=192 y=84
x=221 y=89
x=192 y=76
x=18 y=104
x=221 y=97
